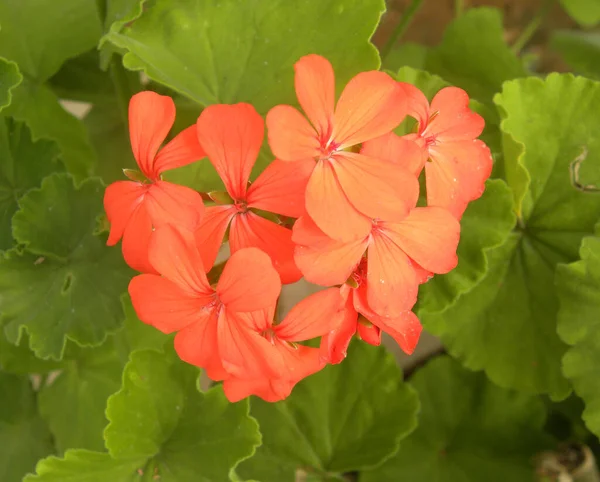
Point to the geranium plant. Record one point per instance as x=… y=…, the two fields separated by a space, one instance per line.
x=227 y=227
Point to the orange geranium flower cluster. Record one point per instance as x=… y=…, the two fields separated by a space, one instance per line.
x=338 y=206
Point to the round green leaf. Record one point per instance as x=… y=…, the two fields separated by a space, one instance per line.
x=67 y=283
x=346 y=417
x=10 y=77
x=469 y=430
x=581 y=50
x=585 y=12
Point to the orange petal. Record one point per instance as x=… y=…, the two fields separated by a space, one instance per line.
x=291 y=137
x=314 y=316
x=182 y=150
x=334 y=345
x=368 y=332
x=315 y=88
x=392 y=283
x=151 y=117
x=210 y=233
x=405 y=329
x=429 y=236
x=281 y=188
x=418 y=105
x=249 y=282
x=170 y=203
x=197 y=345
x=300 y=361
x=376 y=188
x=164 y=305
x=454 y=121
x=136 y=239
x=400 y=151
x=121 y=199
x=270 y=390
x=174 y=255
x=231 y=136
x=260 y=320
x=329 y=207
x=371 y=104
x=249 y=230
x=322 y=260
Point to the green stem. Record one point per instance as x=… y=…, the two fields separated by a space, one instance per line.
x=123 y=86
x=532 y=27
x=459 y=7
x=401 y=27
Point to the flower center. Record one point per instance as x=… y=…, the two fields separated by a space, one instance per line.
x=328 y=147
x=241 y=206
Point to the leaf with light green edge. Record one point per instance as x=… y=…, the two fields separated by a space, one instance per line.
x=407 y=54
x=585 y=12
x=469 y=430
x=66 y=283
x=346 y=417
x=137 y=335
x=486 y=224
x=19 y=359
x=24 y=437
x=580 y=50
x=74 y=402
x=244 y=51
x=10 y=77
x=578 y=286
x=23 y=165
x=474 y=56
x=159 y=416
x=40 y=35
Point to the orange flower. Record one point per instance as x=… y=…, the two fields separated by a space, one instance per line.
x=346 y=189
x=134 y=207
x=232 y=136
x=447 y=131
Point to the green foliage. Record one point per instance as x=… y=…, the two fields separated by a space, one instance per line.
x=469 y=429
x=347 y=417
x=581 y=50
x=585 y=12
x=10 y=77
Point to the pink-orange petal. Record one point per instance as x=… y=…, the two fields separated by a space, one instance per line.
x=401 y=151
x=418 y=105
x=151 y=117
x=231 y=136
x=121 y=199
x=281 y=188
x=136 y=240
x=269 y=389
x=405 y=329
x=291 y=137
x=376 y=188
x=249 y=281
x=330 y=208
x=315 y=88
x=368 y=332
x=334 y=345
x=250 y=230
x=209 y=235
x=170 y=203
x=454 y=121
x=182 y=150
x=371 y=104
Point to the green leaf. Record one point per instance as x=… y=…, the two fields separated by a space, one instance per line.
x=40 y=35
x=581 y=50
x=473 y=54
x=578 y=287
x=10 y=77
x=24 y=437
x=19 y=359
x=185 y=435
x=486 y=224
x=137 y=335
x=89 y=376
x=39 y=108
x=243 y=51
x=67 y=283
x=346 y=417
x=406 y=55
x=23 y=165
x=585 y=12
x=469 y=430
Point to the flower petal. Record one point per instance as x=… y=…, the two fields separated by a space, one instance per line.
x=405 y=329
x=322 y=260
x=392 y=282
x=454 y=121
x=281 y=188
x=315 y=88
x=429 y=236
x=249 y=282
x=368 y=332
x=334 y=345
x=371 y=104
x=314 y=316
x=418 y=105
x=174 y=255
x=401 y=151
x=291 y=137
x=270 y=390
x=197 y=345
x=121 y=199
x=170 y=203
x=249 y=230
x=164 y=305
x=210 y=233
x=151 y=117
x=330 y=208
x=376 y=188
x=231 y=136
x=182 y=150
x=136 y=239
